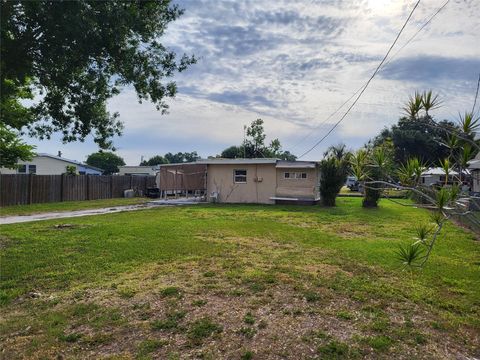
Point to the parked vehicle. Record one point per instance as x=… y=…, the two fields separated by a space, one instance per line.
x=352 y=183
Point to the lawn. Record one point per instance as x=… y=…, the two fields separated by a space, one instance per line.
x=68 y=206
x=237 y=282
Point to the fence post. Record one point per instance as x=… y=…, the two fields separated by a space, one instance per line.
x=111 y=186
x=87 y=190
x=30 y=186
x=62 y=177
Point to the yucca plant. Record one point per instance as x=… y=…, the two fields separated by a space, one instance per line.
x=446 y=166
x=333 y=174
x=437 y=217
x=414 y=106
x=411 y=254
x=468 y=123
x=430 y=102
x=422 y=231
x=442 y=198
x=411 y=171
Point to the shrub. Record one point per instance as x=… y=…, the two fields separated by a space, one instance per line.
x=333 y=174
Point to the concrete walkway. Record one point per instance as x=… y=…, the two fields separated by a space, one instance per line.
x=89 y=212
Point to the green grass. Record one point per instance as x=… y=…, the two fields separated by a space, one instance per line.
x=108 y=282
x=68 y=206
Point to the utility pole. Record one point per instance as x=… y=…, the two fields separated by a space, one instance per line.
x=244 y=142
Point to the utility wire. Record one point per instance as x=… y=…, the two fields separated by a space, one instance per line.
x=382 y=68
x=367 y=83
x=476 y=96
x=417 y=32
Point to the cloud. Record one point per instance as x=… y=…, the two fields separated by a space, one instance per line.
x=292 y=64
x=427 y=69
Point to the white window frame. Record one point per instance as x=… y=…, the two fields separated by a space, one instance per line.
x=235 y=175
x=297 y=175
x=29 y=169
x=22 y=172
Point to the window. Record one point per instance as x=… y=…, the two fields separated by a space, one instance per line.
x=32 y=169
x=240 y=176
x=295 y=175
x=22 y=169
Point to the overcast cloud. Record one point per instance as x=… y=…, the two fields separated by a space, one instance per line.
x=292 y=63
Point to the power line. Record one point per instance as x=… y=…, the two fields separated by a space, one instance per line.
x=381 y=69
x=366 y=85
x=476 y=96
x=417 y=32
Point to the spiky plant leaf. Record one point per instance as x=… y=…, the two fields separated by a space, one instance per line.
x=410 y=254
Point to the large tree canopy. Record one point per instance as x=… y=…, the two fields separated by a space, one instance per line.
x=12 y=148
x=169 y=158
x=254 y=145
x=72 y=56
x=105 y=160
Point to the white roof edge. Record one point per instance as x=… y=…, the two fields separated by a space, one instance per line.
x=220 y=161
x=68 y=161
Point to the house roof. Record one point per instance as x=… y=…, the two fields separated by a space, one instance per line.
x=154 y=167
x=283 y=164
x=438 y=171
x=69 y=161
x=221 y=161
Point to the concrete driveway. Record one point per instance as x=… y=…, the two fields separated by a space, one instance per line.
x=109 y=210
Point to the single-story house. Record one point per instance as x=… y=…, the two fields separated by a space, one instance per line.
x=436 y=176
x=474 y=167
x=46 y=164
x=138 y=170
x=263 y=181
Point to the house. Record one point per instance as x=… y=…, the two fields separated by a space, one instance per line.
x=436 y=176
x=474 y=167
x=46 y=164
x=263 y=181
x=138 y=170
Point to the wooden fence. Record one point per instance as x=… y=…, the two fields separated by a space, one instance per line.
x=23 y=189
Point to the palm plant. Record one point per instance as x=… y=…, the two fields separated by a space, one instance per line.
x=358 y=164
x=414 y=106
x=446 y=166
x=411 y=172
x=333 y=174
x=411 y=254
x=430 y=102
x=469 y=124
x=379 y=164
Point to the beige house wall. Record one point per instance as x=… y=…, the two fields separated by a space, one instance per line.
x=301 y=188
x=220 y=179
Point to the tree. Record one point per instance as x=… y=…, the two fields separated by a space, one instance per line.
x=155 y=160
x=372 y=166
x=12 y=149
x=334 y=170
x=170 y=158
x=418 y=134
x=232 y=152
x=75 y=55
x=181 y=157
x=107 y=161
x=254 y=146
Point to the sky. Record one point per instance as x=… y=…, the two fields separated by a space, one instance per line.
x=293 y=63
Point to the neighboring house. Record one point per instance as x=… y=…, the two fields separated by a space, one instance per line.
x=436 y=176
x=474 y=167
x=264 y=181
x=138 y=170
x=46 y=164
